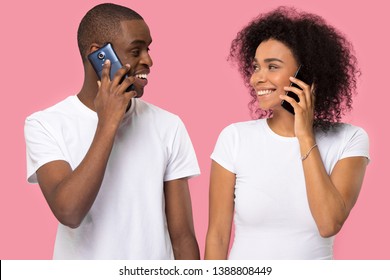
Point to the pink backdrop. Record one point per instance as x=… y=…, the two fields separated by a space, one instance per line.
x=191 y=78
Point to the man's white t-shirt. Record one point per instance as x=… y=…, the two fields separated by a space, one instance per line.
x=272 y=216
x=127 y=219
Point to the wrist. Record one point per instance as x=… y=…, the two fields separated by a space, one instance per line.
x=306 y=155
x=107 y=128
x=307 y=144
x=307 y=140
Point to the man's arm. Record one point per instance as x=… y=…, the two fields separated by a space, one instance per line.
x=71 y=193
x=179 y=217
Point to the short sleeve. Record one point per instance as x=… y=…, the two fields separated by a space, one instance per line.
x=182 y=160
x=41 y=147
x=357 y=143
x=225 y=150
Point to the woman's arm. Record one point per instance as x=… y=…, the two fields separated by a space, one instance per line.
x=331 y=198
x=221 y=208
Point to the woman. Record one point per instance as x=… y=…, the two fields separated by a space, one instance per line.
x=289 y=179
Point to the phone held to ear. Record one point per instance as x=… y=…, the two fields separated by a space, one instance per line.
x=98 y=57
x=300 y=75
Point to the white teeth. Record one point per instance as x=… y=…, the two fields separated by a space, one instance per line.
x=264 y=92
x=142 y=76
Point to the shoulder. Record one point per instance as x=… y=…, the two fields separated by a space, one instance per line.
x=352 y=130
x=244 y=127
x=341 y=141
x=166 y=124
x=237 y=132
x=344 y=132
x=67 y=115
x=58 y=109
x=155 y=112
x=242 y=130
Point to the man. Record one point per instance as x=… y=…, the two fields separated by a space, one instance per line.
x=113 y=168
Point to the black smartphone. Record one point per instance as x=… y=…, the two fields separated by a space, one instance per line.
x=98 y=57
x=302 y=75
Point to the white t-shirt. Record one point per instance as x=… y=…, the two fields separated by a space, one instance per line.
x=127 y=219
x=272 y=216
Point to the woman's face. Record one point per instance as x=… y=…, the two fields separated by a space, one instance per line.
x=273 y=64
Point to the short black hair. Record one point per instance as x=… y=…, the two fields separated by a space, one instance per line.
x=101 y=24
x=326 y=54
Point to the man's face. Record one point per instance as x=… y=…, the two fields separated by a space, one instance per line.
x=132 y=47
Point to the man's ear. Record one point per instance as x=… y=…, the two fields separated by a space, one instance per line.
x=93 y=47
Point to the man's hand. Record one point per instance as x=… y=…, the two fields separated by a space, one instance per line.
x=112 y=100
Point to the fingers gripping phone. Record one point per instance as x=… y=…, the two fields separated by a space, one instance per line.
x=98 y=57
x=300 y=75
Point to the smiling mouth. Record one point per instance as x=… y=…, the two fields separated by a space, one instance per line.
x=142 y=76
x=141 y=80
x=265 y=92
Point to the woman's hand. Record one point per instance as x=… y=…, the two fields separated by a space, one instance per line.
x=304 y=109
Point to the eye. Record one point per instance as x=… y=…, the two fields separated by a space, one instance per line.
x=135 y=52
x=255 y=67
x=273 y=67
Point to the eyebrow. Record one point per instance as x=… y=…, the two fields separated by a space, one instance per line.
x=268 y=60
x=139 y=42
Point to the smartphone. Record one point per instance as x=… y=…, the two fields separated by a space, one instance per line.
x=98 y=57
x=303 y=76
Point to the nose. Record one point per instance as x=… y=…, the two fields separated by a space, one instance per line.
x=258 y=77
x=146 y=59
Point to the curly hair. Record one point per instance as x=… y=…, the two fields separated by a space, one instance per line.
x=326 y=54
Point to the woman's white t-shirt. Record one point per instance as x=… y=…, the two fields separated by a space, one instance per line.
x=272 y=216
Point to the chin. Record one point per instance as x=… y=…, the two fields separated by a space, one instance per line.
x=264 y=108
x=140 y=93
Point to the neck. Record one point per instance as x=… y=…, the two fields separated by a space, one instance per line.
x=87 y=97
x=89 y=89
x=282 y=123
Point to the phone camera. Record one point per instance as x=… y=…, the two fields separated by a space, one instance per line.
x=101 y=55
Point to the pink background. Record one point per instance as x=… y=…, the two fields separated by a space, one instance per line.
x=190 y=77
